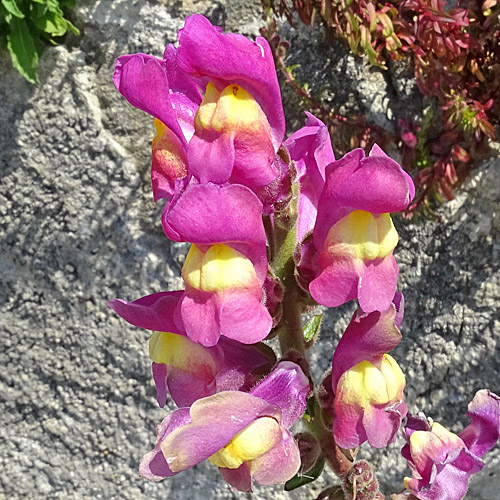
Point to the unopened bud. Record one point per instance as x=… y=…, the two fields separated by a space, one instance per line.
x=332 y=493
x=360 y=482
x=310 y=451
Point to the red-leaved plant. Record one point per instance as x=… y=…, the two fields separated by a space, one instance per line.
x=456 y=57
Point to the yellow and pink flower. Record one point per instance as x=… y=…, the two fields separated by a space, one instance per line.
x=186 y=370
x=226 y=268
x=367 y=382
x=354 y=236
x=217 y=105
x=441 y=461
x=244 y=434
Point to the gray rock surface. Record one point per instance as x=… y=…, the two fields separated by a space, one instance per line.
x=78 y=227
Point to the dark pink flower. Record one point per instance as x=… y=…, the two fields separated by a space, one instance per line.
x=217 y=104
x=354 y=234
x=189 y=371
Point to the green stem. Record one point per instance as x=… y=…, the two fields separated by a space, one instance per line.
x=336 y=458
x=290 y=329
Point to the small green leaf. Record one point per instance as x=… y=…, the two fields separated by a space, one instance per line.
x=52 y=23
x=23 y=50
x=310 y=409
x=72 y=28
x=302 y=479
x=311 y=329
x=67 y=4
x=13 y=8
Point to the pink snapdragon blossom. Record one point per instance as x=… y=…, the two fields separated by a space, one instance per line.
x=189 y=371
x=442 y=462
x=217 y=104
x=226 y=267
x=354 y=235
x=311 y=150
x=245 y=434
x=367 y=382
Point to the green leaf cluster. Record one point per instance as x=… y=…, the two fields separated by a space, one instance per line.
x=27 y=25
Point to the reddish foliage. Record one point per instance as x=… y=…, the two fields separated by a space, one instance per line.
x=456 y=56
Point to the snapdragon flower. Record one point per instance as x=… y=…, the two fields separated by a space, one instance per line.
x=354 y=234
x=226 y=267
x=244 y=434
x=217 y=104
x=442 y=462
x=186 y=370
x=367 y=382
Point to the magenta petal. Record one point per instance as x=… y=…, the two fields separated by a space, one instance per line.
x=377 y=151
x=240 y=479
x=279 y=464
x=199 y=312
x=243 y=318
x=153 y=466
x=211 y=157
x=311 y=148
x=160 y=378
x=337 y=283
x=215 y=420
x=185 y=388
x=209 y=214
x=307 y=210
x=185 y=92
x=348 y=429
x=376 y=184
x=286 y=387
x=481 y=435
x=254 y=163
x=367 y=338
x=205 y=52
x=143 y=81
x=153 y=312
x=377 y=284
x=243 y=364
x=382 y=424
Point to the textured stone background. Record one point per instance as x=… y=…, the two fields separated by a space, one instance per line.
x=78 y=227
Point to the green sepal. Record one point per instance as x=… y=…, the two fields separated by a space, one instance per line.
x=312 y=328
x=301 y=479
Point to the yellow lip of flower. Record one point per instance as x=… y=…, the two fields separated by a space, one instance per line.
x=219 y=268
x=425 y=443
x=179 y=352
x=364 y=384
x=361 y=235
x=232 y=109
x=168 y=154
x=250 y=443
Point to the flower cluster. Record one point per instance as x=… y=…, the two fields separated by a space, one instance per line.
x=275 y=226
